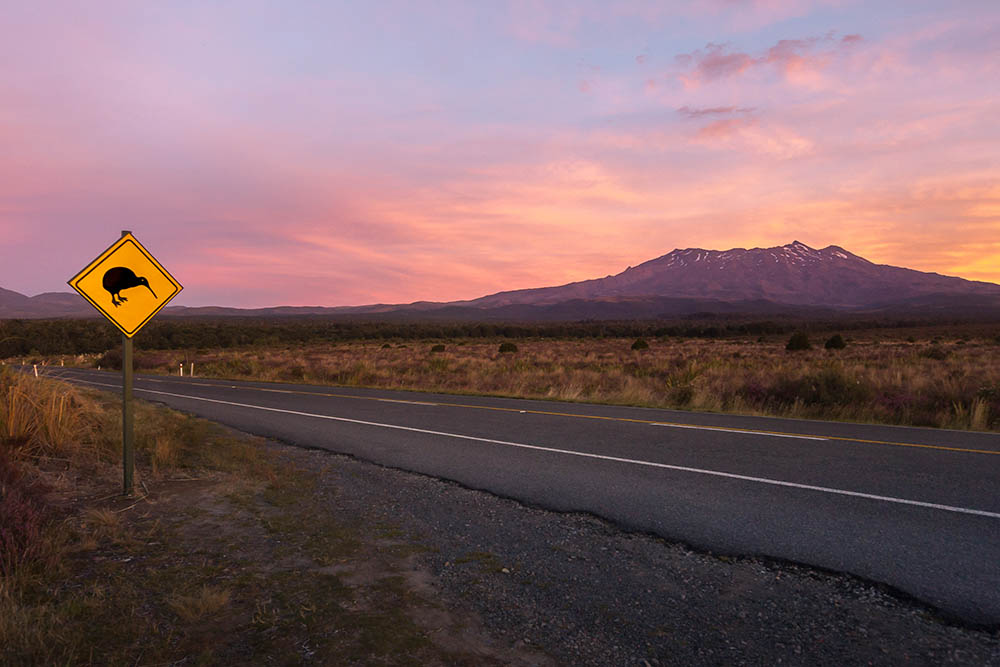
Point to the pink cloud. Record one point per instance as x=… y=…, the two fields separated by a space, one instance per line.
x=791 y=57
x=750 y=135
x=722 y=129
x=696 y=112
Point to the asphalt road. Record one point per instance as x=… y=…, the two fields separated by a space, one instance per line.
x=917 y=509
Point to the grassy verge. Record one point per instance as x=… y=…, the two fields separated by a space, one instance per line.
x=227 y=554
x=921 y=377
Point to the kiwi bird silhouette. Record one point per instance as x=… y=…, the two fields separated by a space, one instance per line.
x=119 y=278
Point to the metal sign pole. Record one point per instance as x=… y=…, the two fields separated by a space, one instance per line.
x=128 y=422
x=128 y=449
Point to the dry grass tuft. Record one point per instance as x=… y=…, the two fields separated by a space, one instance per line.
x=100 y=524
x=43 y=418
x=101 y=518
x=165 y=453
x=203 y=603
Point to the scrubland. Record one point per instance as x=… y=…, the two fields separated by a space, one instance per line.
x=934 y=381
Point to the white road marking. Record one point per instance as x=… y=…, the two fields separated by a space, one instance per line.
x=738 y=430
x=568 y=452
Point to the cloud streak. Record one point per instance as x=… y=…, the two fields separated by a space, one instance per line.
x=704 y=112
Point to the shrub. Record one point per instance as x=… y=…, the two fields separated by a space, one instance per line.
x=681 y=395
x=437 y=348
x=145 y=361
x=798 y=341
x=112 y=359
x=508 y=347
x=640 y=344
x=828 y=386
x=386 y=346
x=835 y=342
x=935 y=352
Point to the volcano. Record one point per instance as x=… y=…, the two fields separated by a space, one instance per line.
x=792 y=274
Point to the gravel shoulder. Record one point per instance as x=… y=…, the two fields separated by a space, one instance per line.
x=577 y=590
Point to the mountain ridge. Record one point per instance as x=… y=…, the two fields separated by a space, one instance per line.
x=793 y=278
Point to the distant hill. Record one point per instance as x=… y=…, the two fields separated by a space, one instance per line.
x=14 y=305
x=792 y=279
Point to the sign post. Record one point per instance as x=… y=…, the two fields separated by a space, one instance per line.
x=128 y=418
x=126 y=265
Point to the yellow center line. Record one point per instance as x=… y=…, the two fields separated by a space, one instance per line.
x=551 y=413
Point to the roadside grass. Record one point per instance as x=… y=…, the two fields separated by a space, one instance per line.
x=934 y=380
x=204 y=602
x=226 y=555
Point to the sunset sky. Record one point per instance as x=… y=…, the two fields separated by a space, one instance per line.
x=342 y=153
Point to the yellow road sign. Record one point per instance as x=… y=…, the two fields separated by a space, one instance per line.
x=126 y=284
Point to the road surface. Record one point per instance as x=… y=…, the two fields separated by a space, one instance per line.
x=917 y=509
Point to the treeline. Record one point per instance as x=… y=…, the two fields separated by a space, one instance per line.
x=64 y=336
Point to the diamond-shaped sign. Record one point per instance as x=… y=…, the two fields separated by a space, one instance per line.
x=126 y=284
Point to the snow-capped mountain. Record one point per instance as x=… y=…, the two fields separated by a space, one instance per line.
x=789 y=274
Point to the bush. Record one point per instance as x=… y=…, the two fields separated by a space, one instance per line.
x=681 y=395
x=798 y=341
x=386 y=346
x=437 y=348
x=935 y=352
x=835 y=342
x=112 y=359
x=825 y=387
x=508 y=347
x=640 y=344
